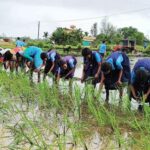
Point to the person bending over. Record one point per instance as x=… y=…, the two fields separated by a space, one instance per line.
x=34 y=61
x=92 y=66
x=115 y=72
x=140 y=82
x=50 y=60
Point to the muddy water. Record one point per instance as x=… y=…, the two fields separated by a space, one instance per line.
x=94 y=143
x=113 y=94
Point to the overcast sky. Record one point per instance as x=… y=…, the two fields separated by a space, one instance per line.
x=20 y=17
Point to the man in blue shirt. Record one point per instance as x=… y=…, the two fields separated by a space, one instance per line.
x=50 y=59
x=140 y=81
x=115 y=71
x=23 y=43
x=33 y=56
x=102 y=49
x=18 y=42
x=92 y=65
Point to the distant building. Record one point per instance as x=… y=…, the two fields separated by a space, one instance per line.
x=87 y=40
x=129 y=44
x=71 y=29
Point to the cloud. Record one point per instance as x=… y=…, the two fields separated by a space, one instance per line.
x=20 y=17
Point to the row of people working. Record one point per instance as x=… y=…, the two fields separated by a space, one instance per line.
x=112 y=72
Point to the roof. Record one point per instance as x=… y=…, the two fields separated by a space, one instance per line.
x=89 y=38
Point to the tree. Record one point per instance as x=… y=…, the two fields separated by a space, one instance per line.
x=132 y=34
x=64 y=36
x=108 y=30
x=86 y=33
x=45 y=35
x=113 y=35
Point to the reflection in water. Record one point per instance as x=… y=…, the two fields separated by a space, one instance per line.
x=34 y=113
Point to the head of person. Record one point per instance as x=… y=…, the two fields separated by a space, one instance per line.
x=18 y=38
x=24 y=40
x=8 y=56
x=117 y=48
x=141 y=76
x=106 y=68
x=63 y=64
x=103 y=41
x=44 y=56
x=86 y=53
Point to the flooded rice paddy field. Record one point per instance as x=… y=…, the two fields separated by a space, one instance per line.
x=42 y=117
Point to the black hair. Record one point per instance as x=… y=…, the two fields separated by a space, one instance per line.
x=61 y=62
x=43 y=56
x=18 y=38
x=24 y=40
x=142 y=76
x=103 y=41
x=18 y=54
x=106 y=67
x=8 y=56
x=86 y=52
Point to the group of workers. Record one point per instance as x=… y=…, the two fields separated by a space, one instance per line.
x=113 y=72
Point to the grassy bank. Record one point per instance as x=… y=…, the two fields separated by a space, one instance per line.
x=47 y=117
x=74 y=50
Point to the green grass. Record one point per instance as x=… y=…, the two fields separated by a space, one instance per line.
x=45 y=45
x=39 y=116
x=7 y=44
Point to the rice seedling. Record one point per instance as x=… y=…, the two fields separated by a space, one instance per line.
x=40 y=116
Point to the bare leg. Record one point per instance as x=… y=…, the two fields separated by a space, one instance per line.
x=39 y=77
x=120 y=95
x=12 y=66
x=16 y=66
x=107 y=96
x=31 y=75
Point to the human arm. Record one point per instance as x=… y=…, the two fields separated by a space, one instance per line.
x=70 y=72
x=133 y=91
x=99 y=61
x=101 y=82
x=120 y=67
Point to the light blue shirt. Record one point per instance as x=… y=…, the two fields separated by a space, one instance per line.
x=118 y=62
x=23 y=44
x=102 y=48
x=18 y=43
x=97 y=57
x=52 y=56
x=71 y=63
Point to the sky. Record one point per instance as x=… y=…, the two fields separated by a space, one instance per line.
x=20 y=17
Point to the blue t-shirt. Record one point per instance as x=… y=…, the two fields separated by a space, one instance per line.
x=18 y=43
x=97 y=57
x=23 y=44
x=71 y=63
x=118 y=62
x=33 y=53
x=133 y=75
x=52 y=56
x=102 y=48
